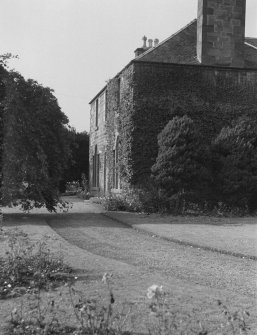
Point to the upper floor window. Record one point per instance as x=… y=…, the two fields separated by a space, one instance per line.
x=96 y=112
x=105 y=105
x=119 y=92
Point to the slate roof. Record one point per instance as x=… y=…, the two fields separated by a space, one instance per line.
x=180 y=48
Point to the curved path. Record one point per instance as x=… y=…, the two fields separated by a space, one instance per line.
x=110 y=239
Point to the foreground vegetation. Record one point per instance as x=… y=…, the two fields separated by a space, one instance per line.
x=31 y=270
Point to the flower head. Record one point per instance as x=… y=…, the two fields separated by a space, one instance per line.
x=106 y=277
x=153 y=291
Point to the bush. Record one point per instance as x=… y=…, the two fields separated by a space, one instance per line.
x=128 y=200
x=27 y=265
x=181 y=171
x=235 y=165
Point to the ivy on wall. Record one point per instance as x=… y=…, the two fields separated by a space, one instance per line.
x=119 y=124
x=211 y=97
x=145 y=96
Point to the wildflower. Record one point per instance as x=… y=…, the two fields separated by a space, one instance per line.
x=14 y=311
x=106 y=277
x=153 y=291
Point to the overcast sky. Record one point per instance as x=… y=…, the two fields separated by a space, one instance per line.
x=74 y=46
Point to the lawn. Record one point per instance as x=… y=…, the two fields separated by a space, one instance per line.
x=235 y=235
x=194 y=281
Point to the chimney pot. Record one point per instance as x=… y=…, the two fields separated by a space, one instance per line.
x=150 y=42
x=144 y=40
x=156 y=42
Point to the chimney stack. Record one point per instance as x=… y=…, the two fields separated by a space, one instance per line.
x=221 y=32
x=139 y=51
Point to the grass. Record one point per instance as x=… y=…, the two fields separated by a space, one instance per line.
x=184 y=297
x=234 y=235
x=96 y=318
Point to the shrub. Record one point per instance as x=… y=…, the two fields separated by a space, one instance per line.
x=181 y=170
x=127 y=200
x=235 y=164
x=27 y=265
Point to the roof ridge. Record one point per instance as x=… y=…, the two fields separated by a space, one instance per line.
x=164 y=41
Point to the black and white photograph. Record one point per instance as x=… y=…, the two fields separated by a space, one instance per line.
x=128 y=167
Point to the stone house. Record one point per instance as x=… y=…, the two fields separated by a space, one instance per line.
x=208 y=68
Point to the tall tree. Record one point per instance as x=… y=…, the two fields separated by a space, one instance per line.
x=35 y=147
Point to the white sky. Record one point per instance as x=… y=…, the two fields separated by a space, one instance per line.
x=74 y=46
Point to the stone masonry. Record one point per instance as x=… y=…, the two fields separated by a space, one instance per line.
x=221 y=32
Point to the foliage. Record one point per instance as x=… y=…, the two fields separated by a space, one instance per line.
x=235 y=164
x=5 y=58
x=165 y=321
x=180 y=169
x=79 y=160
x=127 y=200
x=234 y=321
x=27 y=266
x=84 y=190
x=92 y=317
x=35 y=147
x=96 y=318
x=151 y=94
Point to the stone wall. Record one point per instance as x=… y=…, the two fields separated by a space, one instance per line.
x=97 y=138
x=143 y=97
x=119 y=125
x=113 y=126
x=221 y=32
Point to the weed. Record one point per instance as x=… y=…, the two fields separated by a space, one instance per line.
x=95 y=318
x=27 y=265
x=234 y=321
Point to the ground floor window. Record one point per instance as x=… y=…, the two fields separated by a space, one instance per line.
x=96 y=165
x=115 y=177
x=105 y=170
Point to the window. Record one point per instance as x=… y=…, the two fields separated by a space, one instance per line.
x=115 y=157
x=105 y=170
x=119 y=92
x=96 y=164
x=105 y=105
x=96 y=112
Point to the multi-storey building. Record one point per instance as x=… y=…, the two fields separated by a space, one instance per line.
x=208 y=68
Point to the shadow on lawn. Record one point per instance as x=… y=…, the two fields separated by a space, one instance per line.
x=59 y=220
